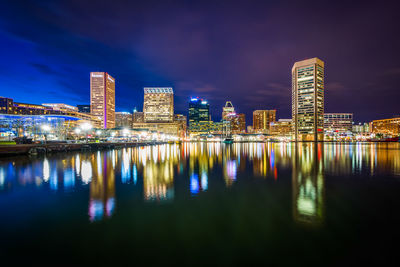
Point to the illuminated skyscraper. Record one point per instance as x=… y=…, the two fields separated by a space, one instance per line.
x=158 y=104
x=262 y=120
x=308 y=100
x=199 y=111
x=102 y=98
x=228 y=109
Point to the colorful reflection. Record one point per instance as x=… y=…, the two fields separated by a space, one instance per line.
x=102 y=188
x=308 y=183
x=153 y=171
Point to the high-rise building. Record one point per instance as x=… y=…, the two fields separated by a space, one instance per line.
x=338 y=123
x=84 y=108
x=158 y=104
x=199 y=111
x=102 y=98
x=123 y=119
x=262 y=120
x=228 y=109
x=308 y=100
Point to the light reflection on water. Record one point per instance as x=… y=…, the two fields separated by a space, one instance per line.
x=154 y=169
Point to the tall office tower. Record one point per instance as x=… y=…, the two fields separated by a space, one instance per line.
x=228 y=109
x=158 y=104
x=102 y=98
x=308 y=100
x=262 y=120
x=199 y=111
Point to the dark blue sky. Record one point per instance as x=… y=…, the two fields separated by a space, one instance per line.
x=241 y=51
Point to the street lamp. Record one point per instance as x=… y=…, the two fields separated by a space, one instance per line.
x=45 y=128
x=86 y=127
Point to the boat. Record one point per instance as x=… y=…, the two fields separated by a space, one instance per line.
x=178 y=142
x=228 y=140
x=170 y=142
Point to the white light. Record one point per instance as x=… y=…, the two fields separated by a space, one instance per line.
x=98 y=132
x=77 y=130
x=46 y=127
x=86 y=126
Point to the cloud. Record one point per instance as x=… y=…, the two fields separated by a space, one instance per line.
x=44 y=69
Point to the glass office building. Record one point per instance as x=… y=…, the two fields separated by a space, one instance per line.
x=308 y=100
x=102 y=98
x=199 y=111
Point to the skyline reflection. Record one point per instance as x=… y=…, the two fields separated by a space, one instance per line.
x=308 y=183
x=153 y=171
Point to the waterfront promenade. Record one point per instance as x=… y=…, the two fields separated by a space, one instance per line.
x=25 y=149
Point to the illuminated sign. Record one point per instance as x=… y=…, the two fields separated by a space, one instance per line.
x=97 y=75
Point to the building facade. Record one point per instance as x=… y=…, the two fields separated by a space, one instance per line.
x=282 y=128
x=308 y=100
x=388 y=127
x=181 y=120
x=361 y=128
x=102 y=98
x=199 y=111
x=158 y=104
x=338 y=123
x=123 y=119
x=61 y=106
x=138 y=117
x=262 y=120
x=227 y=109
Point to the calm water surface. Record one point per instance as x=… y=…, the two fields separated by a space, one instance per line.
x=204 y=203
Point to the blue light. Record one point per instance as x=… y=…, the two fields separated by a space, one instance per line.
x=69 y=179
x=204 y=181
x=194 y=99
x=134 y=171
x=194 y=184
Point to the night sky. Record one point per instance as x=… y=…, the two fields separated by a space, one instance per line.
x=218 y=50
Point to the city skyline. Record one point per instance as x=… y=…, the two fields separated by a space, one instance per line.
x=258 y=64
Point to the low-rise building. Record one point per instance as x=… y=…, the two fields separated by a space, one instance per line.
x=123 y=119
x=282 y=127
x=389 y=127
x=338 y=123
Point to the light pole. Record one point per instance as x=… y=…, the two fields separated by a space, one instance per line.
x=45 y=128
